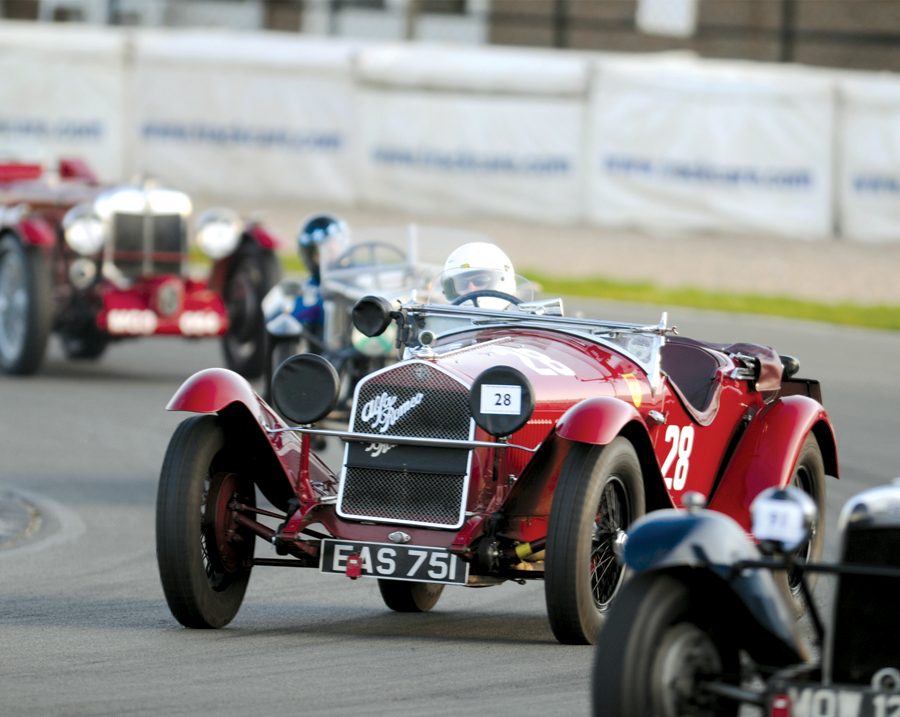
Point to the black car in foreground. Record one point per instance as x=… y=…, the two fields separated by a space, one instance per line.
x=702 y=628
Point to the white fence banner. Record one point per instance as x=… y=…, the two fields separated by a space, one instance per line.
x=255 y=116
x=684 y=146
x=456 y=130
x=869 y=159
x=62 y=95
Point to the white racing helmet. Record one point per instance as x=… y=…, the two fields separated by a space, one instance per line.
x=479 y=266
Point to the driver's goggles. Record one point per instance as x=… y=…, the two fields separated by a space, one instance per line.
x=474 y=281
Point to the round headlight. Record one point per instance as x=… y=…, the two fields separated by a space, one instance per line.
x=218 y=232
x=782 y=518
x=83 y=230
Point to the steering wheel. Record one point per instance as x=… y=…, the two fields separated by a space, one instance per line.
x=365 y=254
x=474 y=296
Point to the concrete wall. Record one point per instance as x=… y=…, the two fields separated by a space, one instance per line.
x=666 y=142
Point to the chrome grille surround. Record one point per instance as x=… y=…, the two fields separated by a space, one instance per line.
x=148 y=244
x=409 y=485
x=147 y=228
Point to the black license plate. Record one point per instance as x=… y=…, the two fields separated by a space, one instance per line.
x=841 y=701
x=395 y=562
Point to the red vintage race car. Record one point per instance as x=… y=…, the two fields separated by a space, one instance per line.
x=96 y=264
x=515 y=444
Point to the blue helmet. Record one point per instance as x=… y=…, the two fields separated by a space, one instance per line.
x=322 y=237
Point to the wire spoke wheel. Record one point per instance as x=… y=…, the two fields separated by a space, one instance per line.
x=808 y=476
x=204 y=555
x=600 y=493
x=609 y=528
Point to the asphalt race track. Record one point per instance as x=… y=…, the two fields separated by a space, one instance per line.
x=84 y=628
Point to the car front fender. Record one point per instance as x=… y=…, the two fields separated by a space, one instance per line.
x=221 y=391
x=32 y=231
x=768 y=450
x=212 y=390
x=596 y=421
x=263 y=237
x=702 y=547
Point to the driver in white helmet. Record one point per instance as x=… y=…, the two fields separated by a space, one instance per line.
x=482 y=270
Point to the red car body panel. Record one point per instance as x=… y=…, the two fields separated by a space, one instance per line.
x=596 y=420
x=214 y=389
x=263 y=237
x=768 y=453
x=37 y=232
x=586 y=392
x=136 y=311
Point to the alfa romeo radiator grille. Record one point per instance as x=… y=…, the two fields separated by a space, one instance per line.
x=411 y=497
x=424 y=485
x=414 y=400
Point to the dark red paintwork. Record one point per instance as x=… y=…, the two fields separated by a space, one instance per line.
x=745 y=438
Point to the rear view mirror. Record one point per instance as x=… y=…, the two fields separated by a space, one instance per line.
x=372 y=315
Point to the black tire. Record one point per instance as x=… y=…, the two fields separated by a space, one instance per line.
x=252 y=273
x=661 y=639
x=204 y=557
x=599 y=494
x=809 y=476
x=26 y=306
x=88 y=345
x=404 y=596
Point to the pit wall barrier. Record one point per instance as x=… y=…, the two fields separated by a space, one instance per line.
x=667 y=143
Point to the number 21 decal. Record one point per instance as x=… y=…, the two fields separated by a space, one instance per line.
x=682 y=440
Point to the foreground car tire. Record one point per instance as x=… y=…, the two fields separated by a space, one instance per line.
x=25 y=307
x=405 y=596
x=660 y=641
x=600 y=493
x=252 y=273
x=204 y=557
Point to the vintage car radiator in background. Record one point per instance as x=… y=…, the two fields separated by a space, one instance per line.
x=148 y=244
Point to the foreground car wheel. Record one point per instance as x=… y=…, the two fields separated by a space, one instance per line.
x=599 y=494
x=404 y=596
x=204 y=557
x=251 y=275
x=25 y=307
x=659 y=644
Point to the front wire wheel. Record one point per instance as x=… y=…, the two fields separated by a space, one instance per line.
x=204 y=556
x=658 y=648
x=600 y=493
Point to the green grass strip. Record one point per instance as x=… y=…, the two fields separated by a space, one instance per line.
x=876 y=316
x=844 y=313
